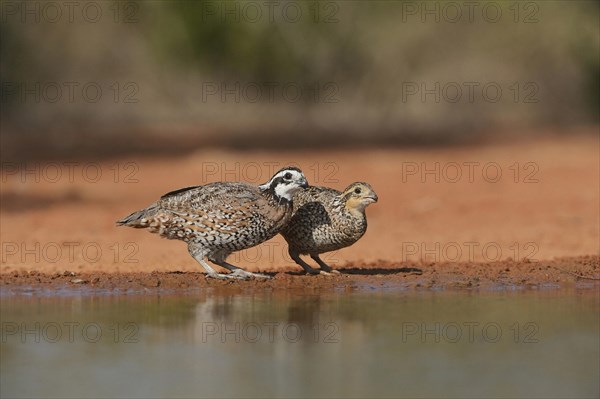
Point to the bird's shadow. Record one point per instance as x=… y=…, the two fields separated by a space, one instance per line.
x=379 y=270
x=368 y=272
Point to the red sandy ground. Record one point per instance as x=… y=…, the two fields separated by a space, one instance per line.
x=582 y=272
x=459 y=225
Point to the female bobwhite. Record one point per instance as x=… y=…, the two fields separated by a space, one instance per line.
x=220 y=218
x=326 y=220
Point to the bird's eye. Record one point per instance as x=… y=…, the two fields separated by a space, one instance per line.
x=288 y=176
x=357 y=190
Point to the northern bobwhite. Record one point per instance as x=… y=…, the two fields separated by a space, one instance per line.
x=220 y=218
x=327 y=220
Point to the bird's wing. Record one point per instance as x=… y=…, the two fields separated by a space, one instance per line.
x=219 y=208
x=203 y=199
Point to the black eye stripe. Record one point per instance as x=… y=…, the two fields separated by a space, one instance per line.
x=284 y=178
x=277 y=181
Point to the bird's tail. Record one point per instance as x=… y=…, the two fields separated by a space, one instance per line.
x=139 y=219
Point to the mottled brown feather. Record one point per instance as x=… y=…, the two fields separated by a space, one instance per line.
x=323 y=221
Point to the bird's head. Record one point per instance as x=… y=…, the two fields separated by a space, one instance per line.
x=285 y=183
x=357 y=196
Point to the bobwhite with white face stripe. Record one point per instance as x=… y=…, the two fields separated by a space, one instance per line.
x=327 y=220
x=220 y=218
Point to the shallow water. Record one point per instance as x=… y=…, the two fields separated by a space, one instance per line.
x=428 y=344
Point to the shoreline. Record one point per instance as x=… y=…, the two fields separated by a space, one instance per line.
x=581 y=272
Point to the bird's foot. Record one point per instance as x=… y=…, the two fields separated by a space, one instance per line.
x=244 y=275
x=325 y=267
x=316 y=272
x=311 y=271
x=229 y=276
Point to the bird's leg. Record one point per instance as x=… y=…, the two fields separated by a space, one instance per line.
x=238 y=271
x=324 y=266
x=296 y=257
x=198 y=254
x=212 y=273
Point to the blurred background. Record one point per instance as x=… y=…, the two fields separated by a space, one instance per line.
x=475 y=122
x=106 y=78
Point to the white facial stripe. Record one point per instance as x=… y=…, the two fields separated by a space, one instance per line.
x=286 y=190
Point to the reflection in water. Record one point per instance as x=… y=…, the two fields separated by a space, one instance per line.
x=410 y=344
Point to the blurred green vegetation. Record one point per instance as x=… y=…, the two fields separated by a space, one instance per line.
x=231 y=41
x=351 y=60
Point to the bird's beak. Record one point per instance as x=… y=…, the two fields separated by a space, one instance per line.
x=372 y=198
x=304 y=184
